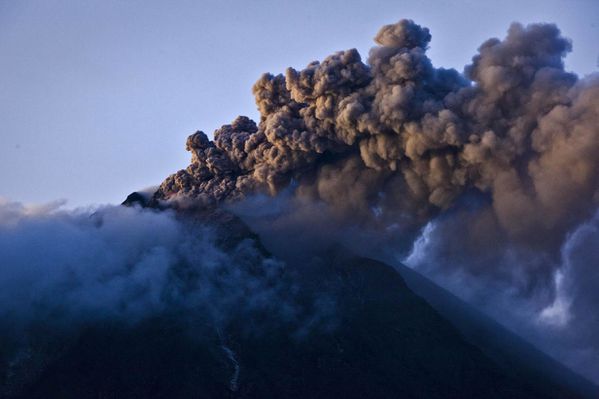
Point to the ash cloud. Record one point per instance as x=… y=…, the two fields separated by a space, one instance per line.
x=407 y=139
x=501 y=162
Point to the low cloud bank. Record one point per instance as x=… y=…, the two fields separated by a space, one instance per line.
x=62 y=271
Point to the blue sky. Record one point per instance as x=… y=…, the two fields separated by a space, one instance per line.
x=97 y=97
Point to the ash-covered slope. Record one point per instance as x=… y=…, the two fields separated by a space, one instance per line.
x=380 y=341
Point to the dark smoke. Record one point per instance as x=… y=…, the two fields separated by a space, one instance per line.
x=500 y=162
x=406 y=139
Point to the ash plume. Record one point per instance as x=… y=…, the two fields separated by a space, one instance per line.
x=501 y=162
x=407 y=139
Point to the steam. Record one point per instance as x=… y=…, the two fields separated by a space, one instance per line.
x=493 y=172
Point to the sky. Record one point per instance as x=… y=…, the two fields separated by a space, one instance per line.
x=98 y=97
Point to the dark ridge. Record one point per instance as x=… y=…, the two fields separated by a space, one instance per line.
x=135 y=198
x=387 y=342
x=513 y=354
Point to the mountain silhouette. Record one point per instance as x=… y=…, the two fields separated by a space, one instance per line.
x=393 y=334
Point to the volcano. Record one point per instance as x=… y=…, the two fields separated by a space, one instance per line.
x=384 y=341
x=266 y=268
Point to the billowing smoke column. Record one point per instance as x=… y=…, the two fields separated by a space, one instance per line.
x=398 y=138
x=502 y=160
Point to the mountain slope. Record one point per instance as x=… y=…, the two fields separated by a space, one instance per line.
x=368 y=335
x=387 y=342
x=513 y=354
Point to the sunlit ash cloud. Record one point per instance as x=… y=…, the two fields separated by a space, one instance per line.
x=493 y=171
